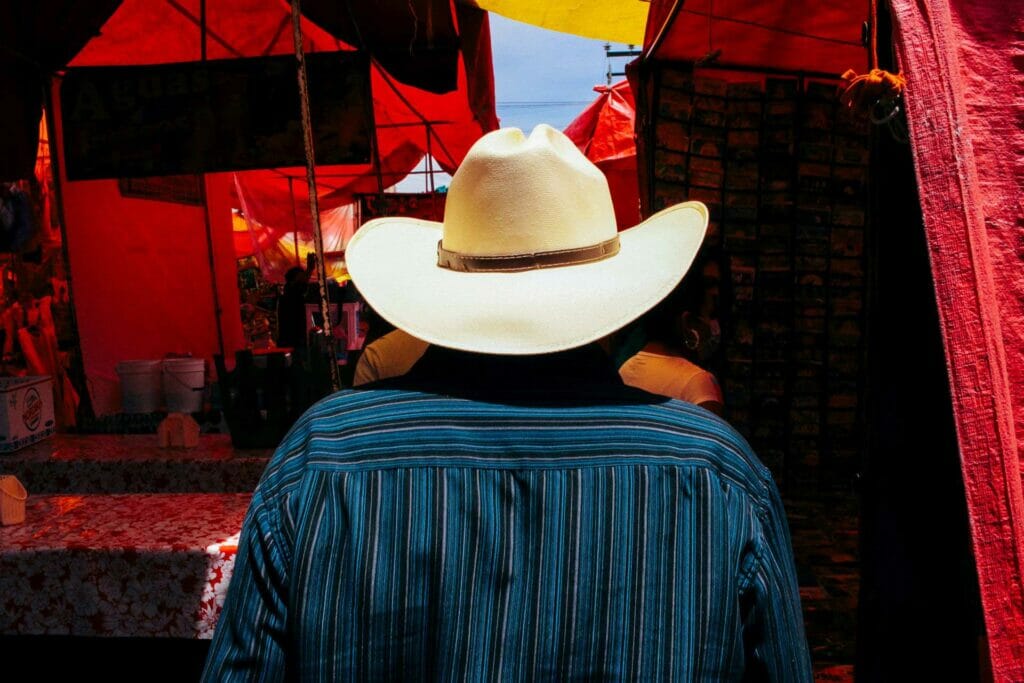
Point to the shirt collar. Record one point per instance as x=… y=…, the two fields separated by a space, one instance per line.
x=585 y=372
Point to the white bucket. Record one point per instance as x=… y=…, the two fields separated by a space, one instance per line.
x=140 y=385
x=184 y=381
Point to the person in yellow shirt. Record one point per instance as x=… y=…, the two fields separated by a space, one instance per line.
x=391 y=355
x=659 y=367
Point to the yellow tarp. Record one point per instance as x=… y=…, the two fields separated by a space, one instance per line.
x=617 y=21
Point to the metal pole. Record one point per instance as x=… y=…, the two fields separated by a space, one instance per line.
x=217 y=310
x=430 y=162
x=314 y=208
x=85 y=408
x=295 y=221
x=378 y=168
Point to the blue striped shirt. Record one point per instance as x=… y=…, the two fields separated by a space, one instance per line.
x=560 y=533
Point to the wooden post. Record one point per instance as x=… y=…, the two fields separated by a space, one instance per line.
x=217 y=310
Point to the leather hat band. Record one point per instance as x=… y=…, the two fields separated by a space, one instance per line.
x=516 y=262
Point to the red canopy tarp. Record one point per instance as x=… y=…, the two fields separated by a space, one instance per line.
x=798 y=35
x=141 y=268
x=37 y=38
x=604 y=133
x=410 y=122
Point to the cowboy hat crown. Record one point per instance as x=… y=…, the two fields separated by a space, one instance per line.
x=516 y=195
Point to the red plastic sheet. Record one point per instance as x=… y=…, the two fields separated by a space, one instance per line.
x=604 y=130
x=964 y=96
x=604 y=133
x=800 y=35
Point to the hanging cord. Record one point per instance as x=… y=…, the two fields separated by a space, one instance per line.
x=314 y=208
x=877 y=94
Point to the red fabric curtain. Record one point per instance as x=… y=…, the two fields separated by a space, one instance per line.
x=964 y=92
x=142 y=280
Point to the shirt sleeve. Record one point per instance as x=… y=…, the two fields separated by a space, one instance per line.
x=702 y=388
x=249 y=643
x=774 y=638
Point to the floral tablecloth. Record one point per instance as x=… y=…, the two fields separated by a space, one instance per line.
x=134 y=464
x=135 y=565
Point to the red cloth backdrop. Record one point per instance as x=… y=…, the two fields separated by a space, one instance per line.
x=964 y=92
x=142 y=281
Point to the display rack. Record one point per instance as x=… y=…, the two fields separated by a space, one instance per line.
x=783 y=171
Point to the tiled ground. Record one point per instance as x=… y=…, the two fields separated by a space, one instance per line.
x=824 y=534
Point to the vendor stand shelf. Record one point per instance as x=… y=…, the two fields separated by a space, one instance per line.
x=125 y=546
x=134 y=464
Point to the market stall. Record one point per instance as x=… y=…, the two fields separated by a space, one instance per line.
x=157 y=235
x=830 y=277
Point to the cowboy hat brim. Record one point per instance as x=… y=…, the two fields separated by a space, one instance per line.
x=393 y=262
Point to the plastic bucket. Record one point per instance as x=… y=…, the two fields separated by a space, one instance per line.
x=140 y=385
x=184 y=381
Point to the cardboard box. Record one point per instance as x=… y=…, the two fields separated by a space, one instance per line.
x=26 y=411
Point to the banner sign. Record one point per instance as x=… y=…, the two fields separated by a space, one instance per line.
x=181 y=189
x=426 y=206
x=220 y=115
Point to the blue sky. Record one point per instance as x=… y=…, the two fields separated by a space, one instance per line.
x=540 y=76
x=543 y=76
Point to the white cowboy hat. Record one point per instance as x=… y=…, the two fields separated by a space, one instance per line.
x=528 y=259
